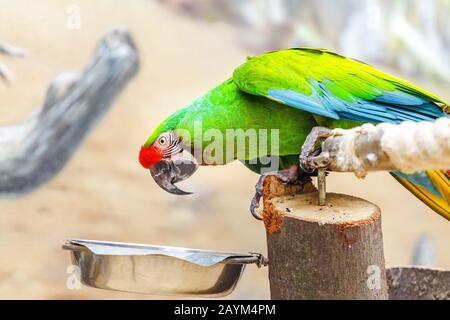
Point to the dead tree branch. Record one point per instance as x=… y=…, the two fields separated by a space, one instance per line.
x=408 y=146
x=12 y=51
x=33 y=151
x=6 y=74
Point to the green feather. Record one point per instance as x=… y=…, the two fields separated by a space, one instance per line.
x=241 y=103
x=293 y=69
x=227 y=107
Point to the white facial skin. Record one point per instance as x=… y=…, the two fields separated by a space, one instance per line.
x=169 y=144
x=164 y=140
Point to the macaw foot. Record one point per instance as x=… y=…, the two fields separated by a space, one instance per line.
x=310 y=158
x=288 y=176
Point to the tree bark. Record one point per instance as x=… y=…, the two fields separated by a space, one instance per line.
x=418 y=283
x=323 y=252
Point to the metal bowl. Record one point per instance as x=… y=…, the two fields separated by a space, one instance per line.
x=158 y=270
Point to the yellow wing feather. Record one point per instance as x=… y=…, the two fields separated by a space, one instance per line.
x=441 y=181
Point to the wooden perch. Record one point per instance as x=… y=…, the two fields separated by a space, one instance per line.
x=322 y=252
x=418 y=283
x=33 y=151
x=335 y=251
x=408 y=146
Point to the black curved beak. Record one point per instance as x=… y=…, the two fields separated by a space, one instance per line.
x=168 y=172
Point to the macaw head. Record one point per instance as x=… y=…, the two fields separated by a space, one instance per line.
x=168 y=160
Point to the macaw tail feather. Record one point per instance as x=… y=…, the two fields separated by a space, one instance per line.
x=432 y=187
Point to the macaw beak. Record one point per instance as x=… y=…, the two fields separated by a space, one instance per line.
x=178 y=168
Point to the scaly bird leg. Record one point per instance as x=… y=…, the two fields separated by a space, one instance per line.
x=311 y=159
x=288 y=176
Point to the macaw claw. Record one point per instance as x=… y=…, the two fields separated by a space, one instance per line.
x=289 y=176
x=254 y=204
x=311 y=158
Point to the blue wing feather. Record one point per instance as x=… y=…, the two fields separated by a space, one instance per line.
x=390 y=106
x=303 y=102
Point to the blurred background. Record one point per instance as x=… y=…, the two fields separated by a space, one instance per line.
x=187 y=47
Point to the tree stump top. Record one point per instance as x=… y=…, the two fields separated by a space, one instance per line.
x=339 y=208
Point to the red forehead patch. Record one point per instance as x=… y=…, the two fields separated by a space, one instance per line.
x=149 y=156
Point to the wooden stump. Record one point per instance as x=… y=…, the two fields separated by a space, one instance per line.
x=323 y=252
x=418 y=283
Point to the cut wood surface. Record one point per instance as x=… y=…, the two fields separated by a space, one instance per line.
x=323 y=252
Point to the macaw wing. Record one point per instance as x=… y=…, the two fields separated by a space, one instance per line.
x=330 y=85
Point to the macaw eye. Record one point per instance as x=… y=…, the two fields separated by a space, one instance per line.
x=162 y=141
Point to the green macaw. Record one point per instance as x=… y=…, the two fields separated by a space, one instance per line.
x=293 y=91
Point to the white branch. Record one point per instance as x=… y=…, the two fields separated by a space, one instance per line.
x=6 y=74
x=33 y=151
x=12 y=51
x=409 y=147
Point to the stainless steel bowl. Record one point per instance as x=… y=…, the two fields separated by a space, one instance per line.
x=158 y=270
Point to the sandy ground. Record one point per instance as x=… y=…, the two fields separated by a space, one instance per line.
x=104 y=194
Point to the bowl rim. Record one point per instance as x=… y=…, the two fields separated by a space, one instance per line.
x=168 y=251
